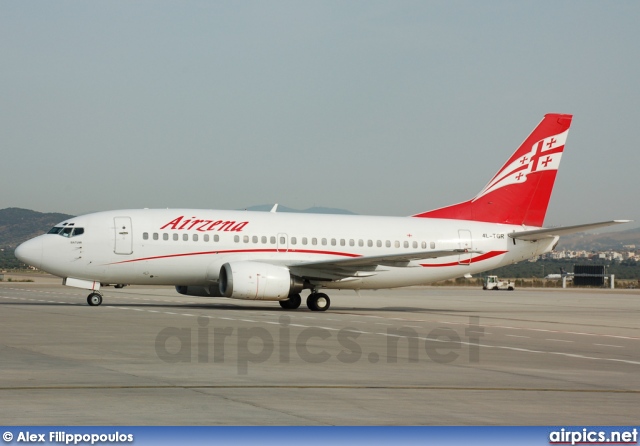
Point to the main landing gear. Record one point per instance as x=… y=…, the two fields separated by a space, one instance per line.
x=292 y=303
x=94 y=299
x=315 y=302
x=318 y=302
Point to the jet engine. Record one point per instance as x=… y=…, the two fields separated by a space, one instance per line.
x=255 y=280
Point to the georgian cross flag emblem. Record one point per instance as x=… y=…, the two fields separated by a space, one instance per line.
x=544 y=155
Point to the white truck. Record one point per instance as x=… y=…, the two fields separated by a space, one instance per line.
x=493 y=283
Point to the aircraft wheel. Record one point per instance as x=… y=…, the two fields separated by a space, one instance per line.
x=318 y=302
x=292 y=303
x=94 y=299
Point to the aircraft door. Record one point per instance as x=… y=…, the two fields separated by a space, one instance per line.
x=465 y=243
x=123 y=235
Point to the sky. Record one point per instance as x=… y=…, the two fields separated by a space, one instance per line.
x=379 y=107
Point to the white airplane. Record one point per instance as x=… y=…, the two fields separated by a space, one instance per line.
x=274 y=256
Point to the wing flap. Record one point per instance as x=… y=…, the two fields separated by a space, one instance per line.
x=367 y=266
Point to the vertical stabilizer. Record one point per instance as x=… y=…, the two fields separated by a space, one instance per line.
x=519 y=193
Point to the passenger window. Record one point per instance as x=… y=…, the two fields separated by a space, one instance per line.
x=352 y=242
x=342 y=242
x=155 y=236
x=388 y=243
x=245 y=238
x=415 y=245
x=406 y=244
x=175 y=237
x=264 y=240
x=314 y=241
x=433 y=245
x=294 y=240
x=397 y=244
x=254 y=239
x=424 y=245
x=360 y=242
x=324 y=242
x=185 y=237
x=216 y=238
x=145 y=236
x=379 y=243
x=272 y=240
x=205 y=237
x=195 y=237
x=283 y=240
x=333 y=242
x=236 y=238
x=304 y=240
x=165 y=236
x=370 y=243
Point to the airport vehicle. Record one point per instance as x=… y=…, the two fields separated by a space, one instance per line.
x=493 y=283
x=273 y=256
x=562 y=274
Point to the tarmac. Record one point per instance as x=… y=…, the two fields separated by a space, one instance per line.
x=413 y=356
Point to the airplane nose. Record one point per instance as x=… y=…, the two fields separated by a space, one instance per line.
x=30 y=252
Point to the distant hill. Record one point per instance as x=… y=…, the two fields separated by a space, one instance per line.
x=600 y=242
x=18 y=225
x=311 y=210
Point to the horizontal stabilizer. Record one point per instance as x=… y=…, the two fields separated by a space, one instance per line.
x=538 y=234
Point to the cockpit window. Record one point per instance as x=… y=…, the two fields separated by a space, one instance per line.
x=69 y=231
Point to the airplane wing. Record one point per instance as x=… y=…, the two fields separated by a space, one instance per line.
x=366 y=266
x=538 y=234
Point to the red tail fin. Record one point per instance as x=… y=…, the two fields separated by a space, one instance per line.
x=519 y=193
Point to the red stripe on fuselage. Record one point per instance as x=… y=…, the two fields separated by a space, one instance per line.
x=480 y=258
x=237 y=251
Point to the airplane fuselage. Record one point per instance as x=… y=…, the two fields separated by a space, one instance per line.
x=188 y=247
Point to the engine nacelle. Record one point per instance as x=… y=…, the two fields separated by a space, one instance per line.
x=255 y=280
x=201 y=291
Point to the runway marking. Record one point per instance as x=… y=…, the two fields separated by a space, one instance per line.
x=609 y=345
x=324 y=387
x=161 y=298
x=508 y=327
x=517 y=336
x=558 y=340
x=524 y=350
